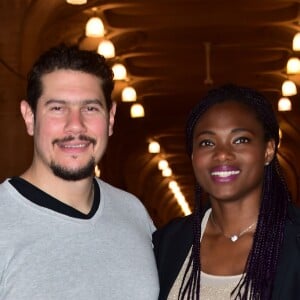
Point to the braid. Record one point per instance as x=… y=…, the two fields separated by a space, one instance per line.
x=191 y=282
x=257 y=281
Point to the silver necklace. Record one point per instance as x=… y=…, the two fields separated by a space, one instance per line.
x=233 y=237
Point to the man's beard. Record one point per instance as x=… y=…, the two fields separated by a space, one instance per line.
x=74 y=175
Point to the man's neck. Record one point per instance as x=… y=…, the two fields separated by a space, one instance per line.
x=77 y=194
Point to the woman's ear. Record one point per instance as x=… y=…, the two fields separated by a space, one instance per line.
x=28 y=116
x=270 y=151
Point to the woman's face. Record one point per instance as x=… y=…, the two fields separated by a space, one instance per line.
x=230 y=152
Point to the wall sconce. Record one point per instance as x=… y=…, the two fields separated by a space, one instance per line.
x=120 y=72
x=296 y=42
x=173 y=186
x=284 y=104
x=76 y=2
x=289 y=88
x=94 y=27
x=167 y=172
x=129 y=94
x=154 y=147
x=293 y=65
x=163 y=164
x=183 y=204
x=106 y=48
x=137 y=111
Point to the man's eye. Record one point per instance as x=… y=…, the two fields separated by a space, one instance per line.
x=242 y=140
x=56 y=108
x=91 y=108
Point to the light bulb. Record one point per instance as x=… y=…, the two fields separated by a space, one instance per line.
x=106 y=48
x=137 y=111
x=94 y=27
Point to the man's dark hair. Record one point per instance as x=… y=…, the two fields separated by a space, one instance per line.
x=69 y=58
x=259 y=274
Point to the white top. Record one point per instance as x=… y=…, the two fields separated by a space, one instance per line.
x=212 y=287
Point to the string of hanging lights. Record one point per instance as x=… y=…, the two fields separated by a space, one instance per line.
x=95 y=28
x=289 y=87
x=166 y=171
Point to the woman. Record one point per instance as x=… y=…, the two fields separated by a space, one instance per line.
x=244 y=243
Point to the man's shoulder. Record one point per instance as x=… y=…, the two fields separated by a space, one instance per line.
x=108 y=188
x=5 y=189
x=118 y=196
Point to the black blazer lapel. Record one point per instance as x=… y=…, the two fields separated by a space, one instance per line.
x=171 y=246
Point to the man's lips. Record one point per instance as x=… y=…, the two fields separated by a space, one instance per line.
x=73 y=146
x=74 y=142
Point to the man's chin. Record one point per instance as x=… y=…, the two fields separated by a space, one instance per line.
x=73 y=174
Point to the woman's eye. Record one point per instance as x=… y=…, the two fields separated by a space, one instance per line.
x=206 y=143
x=242 y=140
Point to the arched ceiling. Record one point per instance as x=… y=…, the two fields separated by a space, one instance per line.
x=164 y=45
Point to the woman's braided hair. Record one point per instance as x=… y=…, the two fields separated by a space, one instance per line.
x=257 y=281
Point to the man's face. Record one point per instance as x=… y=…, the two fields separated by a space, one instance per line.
x=71 y=125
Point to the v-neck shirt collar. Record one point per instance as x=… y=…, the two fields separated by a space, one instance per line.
x=39 y=197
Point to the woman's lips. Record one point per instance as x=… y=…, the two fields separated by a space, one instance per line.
x=224 y=173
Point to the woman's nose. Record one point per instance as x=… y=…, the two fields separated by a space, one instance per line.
x=223 y=153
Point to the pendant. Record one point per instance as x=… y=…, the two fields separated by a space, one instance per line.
x=234 y=238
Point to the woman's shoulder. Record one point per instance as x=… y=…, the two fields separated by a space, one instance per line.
x=177 y=224
x=294 y=214
x=176 y=231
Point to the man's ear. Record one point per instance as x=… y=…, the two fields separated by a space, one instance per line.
x=111 y=119
x=28 y=116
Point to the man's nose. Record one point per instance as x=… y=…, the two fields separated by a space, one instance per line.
x=75 y=122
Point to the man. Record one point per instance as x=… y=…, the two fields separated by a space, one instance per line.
x=63 y=233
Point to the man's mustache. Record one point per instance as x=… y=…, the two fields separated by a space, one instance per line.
x=70 y=138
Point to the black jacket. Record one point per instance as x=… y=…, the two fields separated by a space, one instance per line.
x=172 y=244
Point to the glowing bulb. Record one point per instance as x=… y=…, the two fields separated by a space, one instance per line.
x=137 y=111
x=76 y=2
x=293 y=65
x=167 y=172
x=284 y=104
x=154 y=147
x=107 y=49
x=120 y=72
x=94 y=27
x=129 y=94
x=163 y=164
x=289 y=88
x=296 y=42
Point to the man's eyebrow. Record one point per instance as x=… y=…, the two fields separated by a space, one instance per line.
x=92 y=101
x=81 y=102
x=58 y=101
